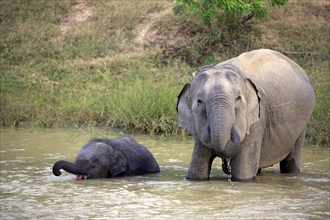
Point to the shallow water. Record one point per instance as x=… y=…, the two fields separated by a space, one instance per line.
x=29 y=190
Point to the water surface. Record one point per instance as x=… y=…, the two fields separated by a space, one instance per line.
x=29 y=190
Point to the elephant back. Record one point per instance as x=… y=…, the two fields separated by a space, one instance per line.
x=282 y=82
x=138 y=156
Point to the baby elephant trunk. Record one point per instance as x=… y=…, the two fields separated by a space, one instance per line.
x=65 y=165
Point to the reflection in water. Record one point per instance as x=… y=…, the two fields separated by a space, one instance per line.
x=29 y=189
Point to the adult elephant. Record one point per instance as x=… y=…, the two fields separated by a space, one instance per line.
x=105 y=158
x=252 y=109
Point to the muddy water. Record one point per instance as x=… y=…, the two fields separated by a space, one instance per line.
x=29 y=190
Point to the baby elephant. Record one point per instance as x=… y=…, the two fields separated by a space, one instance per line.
x=105 y=158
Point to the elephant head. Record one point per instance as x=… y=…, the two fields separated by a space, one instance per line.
x=95 y=160
x=218 y=108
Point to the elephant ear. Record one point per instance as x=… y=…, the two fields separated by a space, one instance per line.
x=119 y=165
x=184 y=112
x=118 y=169
x=253 y=105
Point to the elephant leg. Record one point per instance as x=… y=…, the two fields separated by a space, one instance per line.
x=201 y=161
x=291 y=164
x=245 y=165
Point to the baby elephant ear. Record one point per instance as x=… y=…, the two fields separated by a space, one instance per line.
x=183 y=108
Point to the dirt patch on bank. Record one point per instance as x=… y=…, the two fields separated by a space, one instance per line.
x=146 y=32
x=79 y=13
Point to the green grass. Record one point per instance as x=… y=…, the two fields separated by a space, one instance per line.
x=319 y=125
x=94 y=74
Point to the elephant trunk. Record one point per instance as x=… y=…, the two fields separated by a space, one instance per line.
x=225 y=139
x=67 y=166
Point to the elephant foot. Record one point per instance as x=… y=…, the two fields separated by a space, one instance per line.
x=195 y=178
x=243 y=180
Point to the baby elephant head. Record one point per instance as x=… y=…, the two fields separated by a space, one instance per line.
x=218 y=108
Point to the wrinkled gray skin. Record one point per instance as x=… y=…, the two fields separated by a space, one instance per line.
x=105 y=158
x=252 y=109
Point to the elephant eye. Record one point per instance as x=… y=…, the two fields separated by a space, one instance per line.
x=93 y=161
x=238 y=98
x=198 y=106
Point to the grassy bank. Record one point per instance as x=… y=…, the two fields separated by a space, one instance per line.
x=93 y=63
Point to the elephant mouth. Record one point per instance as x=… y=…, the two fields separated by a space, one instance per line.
x=81 y=177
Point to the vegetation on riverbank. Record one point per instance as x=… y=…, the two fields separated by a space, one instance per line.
x=104 y=63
